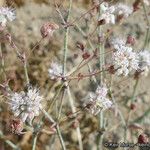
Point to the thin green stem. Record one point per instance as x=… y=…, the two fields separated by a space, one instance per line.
x=2 y=62
x=11 y=144
x=57 y=129
x=74 y=111
x=60 y=137
x=101 y=63
x=34 y=142
x=66 y=39
x=134 y=90
x=26 y=73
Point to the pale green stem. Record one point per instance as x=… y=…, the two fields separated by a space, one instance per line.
x=34 y=142
x=12 y=145
x=26 y=73
x=66 y=39
x=148 y=26
x=101 y=63
x=2 y=62
x=60 y=137
x=57 y=128
x=134 y=90
x=118 y=110
x=61 y=104
x=74 y=111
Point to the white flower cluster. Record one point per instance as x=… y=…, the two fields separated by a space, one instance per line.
x=55 y=70
x=144 y=62
x=6 y=14
x=26 y=105
x=95 y=102
x=108 y=12
x=124 y=59
x=123 y=10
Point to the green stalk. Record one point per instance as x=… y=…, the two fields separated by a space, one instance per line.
x=26 y=72
x=66 y=39
x=101 y=63
x=34 y=142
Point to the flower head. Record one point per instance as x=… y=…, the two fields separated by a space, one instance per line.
x=124 y=59
x=55 y=70
x=48 y=28
x=26 y=105
x=6 y=14
x=95 y=102
x=123 y=10
x=144 y=62
x=107 y=13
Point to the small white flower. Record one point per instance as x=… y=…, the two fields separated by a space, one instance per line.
x=6 y=14
x=146 y=2
x=26 y=105
x=55 y=70
x=144 y=63
x=117 y=43
x=124 y=59
x=107 y=13
x=124 y=10
x=95 y=102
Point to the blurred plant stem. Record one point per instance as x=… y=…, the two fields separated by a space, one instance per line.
x=12 y=145
x=34 y=142
x=65 y=52
x=141 y=118
x=148 y=26
x=74 y=112
x=26 y=72
x=57 y=128
x=101 y=64
x=117 y=110
x=2 y=63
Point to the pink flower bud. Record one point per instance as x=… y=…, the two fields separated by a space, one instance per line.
x=143 y=139
x=130 y=40
x=48 y=28
x=16 y=126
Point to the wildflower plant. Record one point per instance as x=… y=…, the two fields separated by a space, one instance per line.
x=26 y=105
x=85 y=80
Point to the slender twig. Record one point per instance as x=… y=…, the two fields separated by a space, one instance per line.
x=101 y=63
x=2 y=63
x=26 y=72
x=34 y=142
x=66 y=39
x=57 y=128
x=11 y=144
x=60 y=137
x=74 y=111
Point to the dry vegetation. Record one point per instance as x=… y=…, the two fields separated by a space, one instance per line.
x=126 y=120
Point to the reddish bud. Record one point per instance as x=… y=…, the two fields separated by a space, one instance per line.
x=16 y=126
x=136 y=5
x=80 y=46
x=75 y=124
x=8 y=37
x=111 y=69
x=143 y=139
x=130 y=40
x=132 y=106
x=85 y=55
x=80 y=76
x=119 y=18
x=101 y=22
x=48 y=28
